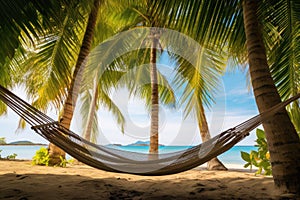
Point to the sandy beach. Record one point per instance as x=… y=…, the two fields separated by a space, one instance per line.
x=21 y=180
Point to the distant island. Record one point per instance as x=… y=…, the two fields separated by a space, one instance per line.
x=142 y=143
x=24 y=142
x=138 y=143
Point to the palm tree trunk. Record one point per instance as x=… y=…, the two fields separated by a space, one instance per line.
x=215 y=163
x=92 y=110
x=283 y=141
x=154 y=100
x=55 y=152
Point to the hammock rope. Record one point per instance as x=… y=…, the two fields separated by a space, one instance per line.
x=115 y=160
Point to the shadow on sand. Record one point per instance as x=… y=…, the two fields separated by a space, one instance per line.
x=49 y=186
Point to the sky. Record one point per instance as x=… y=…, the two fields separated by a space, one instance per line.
x=233 y=105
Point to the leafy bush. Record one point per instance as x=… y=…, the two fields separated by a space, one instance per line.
x=63 y=162
x=259 y=158
x=12 y=156
x=41 y=157
x=9 y=157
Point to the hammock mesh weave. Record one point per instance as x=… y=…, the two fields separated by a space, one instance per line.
x=115 y=160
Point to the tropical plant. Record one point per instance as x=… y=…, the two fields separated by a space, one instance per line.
x=48 y=35
x=41 y=157
x=54 y=58
x=284 y=59
x=232 y=23
x=199 y=84
x=94 y=95
x=12 y=156
x=95 y=89
x=149 y=84
x=152 y=17
x=9 y=157
x=63 y=162
x=55 y=153
x=51 y=55
x=266 y=96
x=21 y=22
x=259 y=158
x=154 y=37
x=137 y=16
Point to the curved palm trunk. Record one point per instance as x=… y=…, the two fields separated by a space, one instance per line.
x=215 y=163
x=55 y=153
x=283 y=141
x=92 y=110
x=154 y=100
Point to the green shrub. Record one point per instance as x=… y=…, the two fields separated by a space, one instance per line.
x=11 y=157
x=63 y=162
x=41 y=157
x=259 y=158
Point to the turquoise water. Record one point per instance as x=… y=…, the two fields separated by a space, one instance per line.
x=23 y=152
x=232 y=156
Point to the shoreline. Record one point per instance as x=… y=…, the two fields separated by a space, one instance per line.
x=230 y=167
x=232 y=156
x=23 y=145
x=22 y=180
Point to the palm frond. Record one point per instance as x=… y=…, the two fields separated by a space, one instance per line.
x=86 y=101
x=108 y=103
x=284 y=51
x=198 y=84
x=52 y=60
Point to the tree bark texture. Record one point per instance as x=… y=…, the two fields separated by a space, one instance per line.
x=283 y=141
x=215 y=163
x=55 y=153
x=154 y=99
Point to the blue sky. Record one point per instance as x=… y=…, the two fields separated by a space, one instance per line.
x=234 y=104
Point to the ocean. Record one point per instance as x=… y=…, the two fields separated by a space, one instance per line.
x=230 y=158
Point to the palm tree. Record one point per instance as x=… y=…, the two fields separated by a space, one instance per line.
x=95 y=89
x=144 y=17
x=148 y=18
x=94 y=95
x=222 y=22
x=51 y=47
x=280 y=132
x=54 y=50
x=47 y=69
x=56 y=54
x=55 y=153
x=91 y=114
x=137 y=16
x=284 y=59
x=195 y=83
x=21 y=22
x=154 y=36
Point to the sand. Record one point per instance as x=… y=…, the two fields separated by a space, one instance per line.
x=21 y=180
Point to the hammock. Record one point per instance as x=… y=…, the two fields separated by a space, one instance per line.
x=115 y=160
